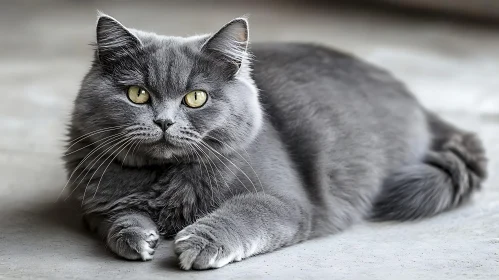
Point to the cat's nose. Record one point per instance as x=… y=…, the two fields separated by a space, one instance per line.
x=164 y=123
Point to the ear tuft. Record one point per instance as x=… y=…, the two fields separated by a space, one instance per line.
x=113 y=39
x=230 y=43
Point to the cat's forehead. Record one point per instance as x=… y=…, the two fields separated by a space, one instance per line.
x=172 y=63
x=154 y=41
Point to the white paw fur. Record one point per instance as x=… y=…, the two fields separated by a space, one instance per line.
x=146 y=251
x=191 y=256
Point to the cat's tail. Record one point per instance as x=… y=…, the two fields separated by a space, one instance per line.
x=451 y=172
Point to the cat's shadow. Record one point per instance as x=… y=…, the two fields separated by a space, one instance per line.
x=62 y=214
x=43 y=223
x=62 y=221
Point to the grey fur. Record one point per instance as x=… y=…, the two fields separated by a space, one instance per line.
x=308 y=143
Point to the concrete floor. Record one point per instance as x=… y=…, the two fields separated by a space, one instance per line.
x=452 y=67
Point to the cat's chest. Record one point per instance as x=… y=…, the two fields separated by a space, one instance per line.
x=184 y=194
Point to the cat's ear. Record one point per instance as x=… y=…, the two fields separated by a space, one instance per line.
x=230 y=43
x=113 y=39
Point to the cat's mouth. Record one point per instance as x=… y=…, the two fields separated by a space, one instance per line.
x=165 y=146
x=174 y=141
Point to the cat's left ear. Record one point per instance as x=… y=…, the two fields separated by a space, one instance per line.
x=114 y=40
x=230 y=43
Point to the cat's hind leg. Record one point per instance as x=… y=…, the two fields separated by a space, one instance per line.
x=449 y=174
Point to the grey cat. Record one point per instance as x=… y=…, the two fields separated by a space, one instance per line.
x=236 y=150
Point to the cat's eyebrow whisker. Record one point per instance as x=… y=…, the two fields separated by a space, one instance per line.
x=108 y=141
x=237 y=178
x=258 y=178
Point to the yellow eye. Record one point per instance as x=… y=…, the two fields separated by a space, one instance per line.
x=138 y=95
x=195 y=98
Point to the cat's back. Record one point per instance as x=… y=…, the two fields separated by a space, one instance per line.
x=315 y=96
x=304 y=66
x=319 y=81
x=299 y=56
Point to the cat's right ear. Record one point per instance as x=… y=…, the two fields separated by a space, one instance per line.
x=114 y=40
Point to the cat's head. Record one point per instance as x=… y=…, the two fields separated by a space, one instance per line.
x=170 y=94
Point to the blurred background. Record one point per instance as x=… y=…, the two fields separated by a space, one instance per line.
x=446 y=51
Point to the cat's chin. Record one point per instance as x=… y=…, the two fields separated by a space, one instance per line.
x=165 y=143
x=159 y=151
x=150 y=158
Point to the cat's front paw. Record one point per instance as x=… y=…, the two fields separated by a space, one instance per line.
x=203 y=247
x=134 y=243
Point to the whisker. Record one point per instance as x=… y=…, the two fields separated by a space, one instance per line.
x=93 y=143
x=97 y=130
x=175 y=158
x=198 y=156
x=211 y=186
x=80 y=138
x=221 y=175
x=244 y=173
x=229 y=168
x=249 y=164
x=134 y=149
x=187 y=153
x=109 y=141
x=121 y=143
x=219 y=172
x=130 y=147
x=130 y=141
x=101 y=154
